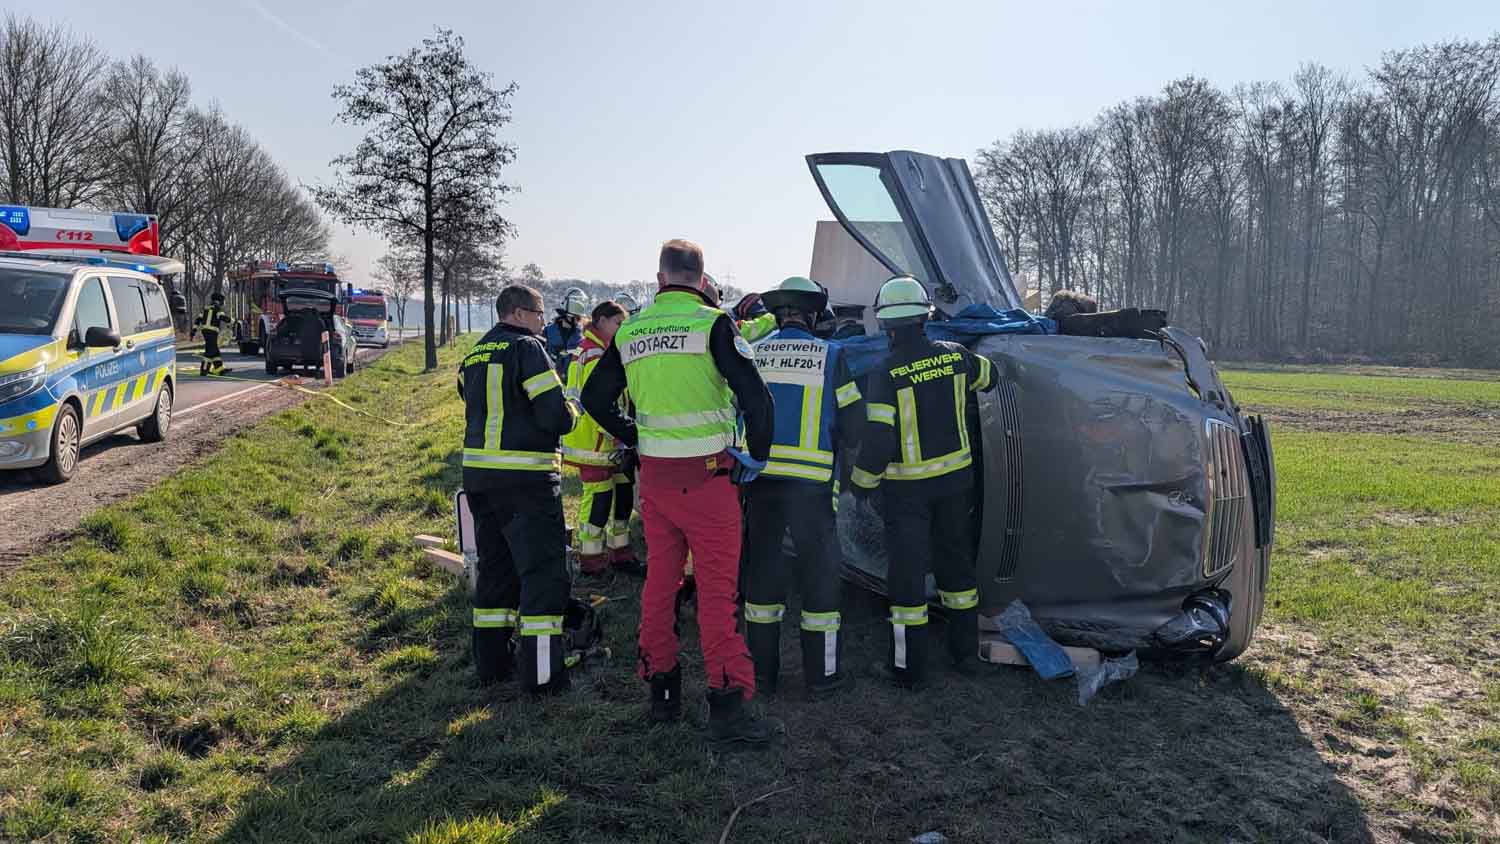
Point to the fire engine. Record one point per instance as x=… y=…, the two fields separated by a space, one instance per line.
x=252 y=296
x=370 y=314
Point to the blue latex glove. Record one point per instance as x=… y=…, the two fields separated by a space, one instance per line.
x=746 y=468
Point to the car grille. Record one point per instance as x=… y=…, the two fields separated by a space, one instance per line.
x=1010 y=478
x=1228 y=488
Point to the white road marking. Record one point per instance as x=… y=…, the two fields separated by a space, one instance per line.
x=212 y=402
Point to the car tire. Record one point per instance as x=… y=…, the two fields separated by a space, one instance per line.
x=67 y=431
x=338 y=367
x=271 y=366
x=154 y=428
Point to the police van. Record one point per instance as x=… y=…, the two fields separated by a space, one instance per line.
x=87 y=342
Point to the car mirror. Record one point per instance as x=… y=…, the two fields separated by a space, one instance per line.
x=99 y=337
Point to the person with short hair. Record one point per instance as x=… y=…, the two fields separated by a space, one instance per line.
x=515 y=411
x=687 y=370
x=603 y=534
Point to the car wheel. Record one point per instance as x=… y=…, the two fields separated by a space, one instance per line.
x=66 y=432
x=154 y=429
x=338 y=367
x=270 y=365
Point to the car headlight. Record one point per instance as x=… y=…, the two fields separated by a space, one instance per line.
x=18 y=384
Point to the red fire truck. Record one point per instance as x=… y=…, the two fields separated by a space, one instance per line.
x=251 y=297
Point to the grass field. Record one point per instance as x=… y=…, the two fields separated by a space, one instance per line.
x=254 y=652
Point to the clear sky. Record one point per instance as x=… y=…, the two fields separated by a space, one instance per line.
x=640 y=121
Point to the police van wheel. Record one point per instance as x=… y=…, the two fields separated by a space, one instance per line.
x=154 y=429
x=65 y=441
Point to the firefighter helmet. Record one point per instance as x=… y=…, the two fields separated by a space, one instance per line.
x=902 y=298
x=575 y=303
x=798 y=293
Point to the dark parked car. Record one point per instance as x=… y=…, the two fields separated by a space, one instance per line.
x=1125 y=497
x=297 y=341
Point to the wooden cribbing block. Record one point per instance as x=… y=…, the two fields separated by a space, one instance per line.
x=426 y=540
x=994 y=649
x=445 y=560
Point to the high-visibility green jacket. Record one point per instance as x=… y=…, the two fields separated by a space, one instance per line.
x=687 y=371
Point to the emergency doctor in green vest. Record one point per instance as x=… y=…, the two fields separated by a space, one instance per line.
x=687 y=369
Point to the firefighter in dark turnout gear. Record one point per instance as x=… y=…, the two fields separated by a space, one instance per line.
x=818 y=408
x=210 y=322
x=916 y=453
x=514 y=414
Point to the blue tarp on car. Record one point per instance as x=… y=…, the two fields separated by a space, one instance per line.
x=971 y=323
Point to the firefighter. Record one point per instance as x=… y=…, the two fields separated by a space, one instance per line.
x=686 y=369
x=916 y=453
x=564 y=333
x=818 y=409
x=603 y=535
x=752 y=318
x=514 y=413
x=211 y=321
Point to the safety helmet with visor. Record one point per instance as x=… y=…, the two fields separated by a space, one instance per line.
x=902 y=300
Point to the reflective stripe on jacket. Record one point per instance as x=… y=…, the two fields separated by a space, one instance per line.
x=683 y=405
x=916 y=407
x=514 y=410
x=587 y=444
x=816 y=402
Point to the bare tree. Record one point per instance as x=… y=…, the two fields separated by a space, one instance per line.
x=430 y=154
x=50 y=144
x=399 y=273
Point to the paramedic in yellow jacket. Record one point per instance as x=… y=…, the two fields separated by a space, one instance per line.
x=603 y=535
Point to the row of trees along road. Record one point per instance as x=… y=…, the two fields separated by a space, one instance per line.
x=427 y=170
x=1327 y=217
x=78 y=129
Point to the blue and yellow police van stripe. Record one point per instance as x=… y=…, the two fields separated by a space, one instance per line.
x=101 y=381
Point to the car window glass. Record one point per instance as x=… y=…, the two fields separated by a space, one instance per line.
x=130 y=307
x=157 y=314
x=91 y=311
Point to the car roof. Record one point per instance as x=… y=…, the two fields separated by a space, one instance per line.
x=68 y=267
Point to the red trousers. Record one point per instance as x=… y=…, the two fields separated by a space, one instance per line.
x=688 y=504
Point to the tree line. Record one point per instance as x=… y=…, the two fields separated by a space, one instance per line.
x=1327 y=217
x=79 y=129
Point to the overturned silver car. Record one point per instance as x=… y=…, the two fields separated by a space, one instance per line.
x=1124 y=497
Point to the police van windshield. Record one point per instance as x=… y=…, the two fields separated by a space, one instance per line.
x=366 y=310
x=30 y=301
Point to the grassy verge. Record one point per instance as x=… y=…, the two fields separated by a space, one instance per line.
x=253 y=652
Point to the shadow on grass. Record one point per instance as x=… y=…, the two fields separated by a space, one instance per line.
x=1176 y=754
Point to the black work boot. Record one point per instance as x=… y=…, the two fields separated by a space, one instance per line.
x=493 y=659
x=764 y=642
x=963 y=640
x=543 y=668
x=666 y=695
x=907 y=663
x=822 y=664
x=732 y=727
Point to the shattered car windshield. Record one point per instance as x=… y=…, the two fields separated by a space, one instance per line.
x=30 y=301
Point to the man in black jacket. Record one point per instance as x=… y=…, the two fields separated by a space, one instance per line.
x=515 y=412
x=916 y=452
